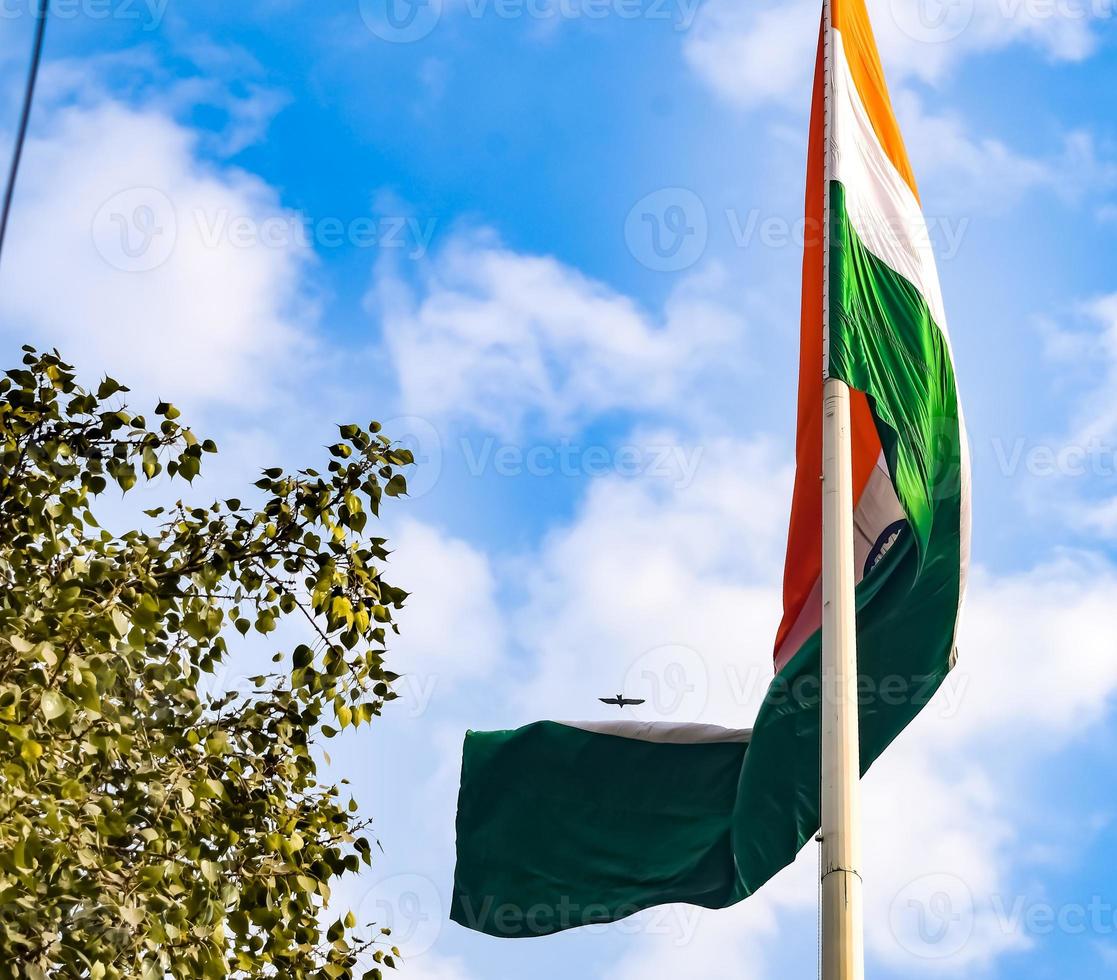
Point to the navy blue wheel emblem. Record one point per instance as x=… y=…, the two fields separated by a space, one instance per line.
x=888 y=537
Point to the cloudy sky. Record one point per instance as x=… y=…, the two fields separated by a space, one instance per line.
x=554 y=245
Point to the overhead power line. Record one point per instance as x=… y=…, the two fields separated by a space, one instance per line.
x=41 y=11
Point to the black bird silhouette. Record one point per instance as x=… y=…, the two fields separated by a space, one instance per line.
x=621 y=701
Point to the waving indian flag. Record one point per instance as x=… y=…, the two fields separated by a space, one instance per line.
x=873 y=317
x=562 y=824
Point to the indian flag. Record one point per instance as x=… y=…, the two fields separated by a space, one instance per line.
x=872 y=316
x=566 y=824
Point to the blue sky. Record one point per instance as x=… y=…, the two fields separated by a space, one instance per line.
x=285 y=215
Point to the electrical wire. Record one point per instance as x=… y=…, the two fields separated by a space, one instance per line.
x=42 y=9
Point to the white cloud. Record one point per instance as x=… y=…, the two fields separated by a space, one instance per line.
x=497 y=337
x=726 y=944
x=928 y=39
x=1107 y=952
x=1073 y=479
x=755 y=53
x=1097 y=348
x=938 y=850
x=1034 y=650
x=962 y=171
x=450 y=627
x=1099 y=516
x=124 y=252
x=751 y=54
x=224 y=80
x=669 y=592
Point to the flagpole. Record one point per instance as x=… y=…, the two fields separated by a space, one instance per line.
x=843 y=954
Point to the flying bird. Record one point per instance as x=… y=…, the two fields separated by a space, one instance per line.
x=621 y=701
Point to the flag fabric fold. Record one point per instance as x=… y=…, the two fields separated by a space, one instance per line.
x=588 y=826
x=564 y=824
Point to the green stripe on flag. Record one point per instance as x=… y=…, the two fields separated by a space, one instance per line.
x=560 y=827
x=884 y=342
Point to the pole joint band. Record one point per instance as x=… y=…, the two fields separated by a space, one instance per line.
x=848 y=871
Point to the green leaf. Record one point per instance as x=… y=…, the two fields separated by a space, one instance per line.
x=107 y=388
x=53 y=705
x=150 y=462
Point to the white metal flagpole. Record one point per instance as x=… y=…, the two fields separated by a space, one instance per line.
x=843 y=953
x=842 y=928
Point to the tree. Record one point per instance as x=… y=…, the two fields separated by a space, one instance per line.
x=148 y=829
